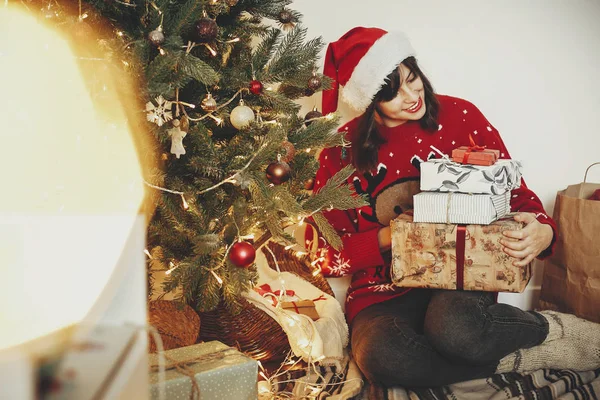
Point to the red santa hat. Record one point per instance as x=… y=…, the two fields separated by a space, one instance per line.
x=359 y=62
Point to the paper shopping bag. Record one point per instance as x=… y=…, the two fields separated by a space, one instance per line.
x=571 y=280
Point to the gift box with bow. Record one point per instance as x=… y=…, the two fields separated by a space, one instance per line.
x=474 y=154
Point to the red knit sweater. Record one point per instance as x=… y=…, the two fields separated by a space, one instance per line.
x=390 y=189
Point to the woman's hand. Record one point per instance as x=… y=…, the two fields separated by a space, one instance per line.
x=530 y=241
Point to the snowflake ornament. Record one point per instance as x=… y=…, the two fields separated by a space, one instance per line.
x=160 y=113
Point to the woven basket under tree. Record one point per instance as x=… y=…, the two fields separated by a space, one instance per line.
x=178 y=324
x=253 y=331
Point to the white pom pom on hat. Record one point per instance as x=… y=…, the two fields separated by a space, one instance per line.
x=359 y=62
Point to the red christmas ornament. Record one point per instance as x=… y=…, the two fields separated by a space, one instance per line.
x=309 y=184
x=278 y=172
x=256 y=87
x=242 y=254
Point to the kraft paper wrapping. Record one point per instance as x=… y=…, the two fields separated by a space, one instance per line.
x=424 y=255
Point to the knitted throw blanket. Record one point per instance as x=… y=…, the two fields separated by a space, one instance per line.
x=543 y=384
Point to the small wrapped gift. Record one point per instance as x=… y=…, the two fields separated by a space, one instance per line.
x=443 y=175
x=206 y=371
x=455 y=257
x=466 y=155
x=474 y=154
x=460 y=208
x=305 y=307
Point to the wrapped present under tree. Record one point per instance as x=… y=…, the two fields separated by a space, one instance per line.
x=205 y=371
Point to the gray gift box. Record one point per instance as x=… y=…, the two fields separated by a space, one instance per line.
x=220 y=372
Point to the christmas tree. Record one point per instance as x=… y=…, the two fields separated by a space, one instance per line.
x=219 y=80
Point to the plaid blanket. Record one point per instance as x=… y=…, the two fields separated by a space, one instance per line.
x=540 y=385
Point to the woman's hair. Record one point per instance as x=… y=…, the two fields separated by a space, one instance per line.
x=367 y=140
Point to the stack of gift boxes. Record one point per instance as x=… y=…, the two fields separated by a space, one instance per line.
x=452 y=240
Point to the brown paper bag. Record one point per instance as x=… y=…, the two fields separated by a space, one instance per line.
x=571 y=280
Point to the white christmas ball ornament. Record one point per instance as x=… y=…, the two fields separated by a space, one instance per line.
x=241 y=116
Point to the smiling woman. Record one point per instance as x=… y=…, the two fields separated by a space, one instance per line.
x=72 y=183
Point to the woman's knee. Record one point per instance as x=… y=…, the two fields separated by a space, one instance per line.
x=455 y=325
x=387 y=356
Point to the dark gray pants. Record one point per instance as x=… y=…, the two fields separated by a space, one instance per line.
x=429 y=338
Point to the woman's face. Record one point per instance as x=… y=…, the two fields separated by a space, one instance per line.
x=409 y=103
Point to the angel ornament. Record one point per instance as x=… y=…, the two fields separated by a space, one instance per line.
x=177 y=136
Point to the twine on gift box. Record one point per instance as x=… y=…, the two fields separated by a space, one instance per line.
x=183 y=366
x=448 y=207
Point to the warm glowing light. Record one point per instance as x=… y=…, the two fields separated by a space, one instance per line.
x=212 y=51
x=172 y=267
x=264 y=387
x=185 y=203
x=263 y=375
x=146 y=252
x=316 y=272
x=74 y=189
x=217 y=277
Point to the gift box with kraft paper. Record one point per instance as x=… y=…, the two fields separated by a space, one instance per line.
x=304 y=307
x=455 y=257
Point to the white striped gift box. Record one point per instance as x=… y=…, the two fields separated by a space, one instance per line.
x=460 y=208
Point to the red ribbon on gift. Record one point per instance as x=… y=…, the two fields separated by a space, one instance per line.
x=265 y=290
x=461 y=238
x=474 y=147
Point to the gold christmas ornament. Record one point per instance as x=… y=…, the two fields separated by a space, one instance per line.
x=209 y=104
x=241 y=116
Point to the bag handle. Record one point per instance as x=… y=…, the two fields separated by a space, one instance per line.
x=586 y=171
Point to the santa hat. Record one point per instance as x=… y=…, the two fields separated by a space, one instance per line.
x=359 y=62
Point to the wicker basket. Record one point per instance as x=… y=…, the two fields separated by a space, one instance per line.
x=253 y=331
x=177 y=325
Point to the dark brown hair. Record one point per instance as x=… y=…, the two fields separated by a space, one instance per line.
x=367 y=140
